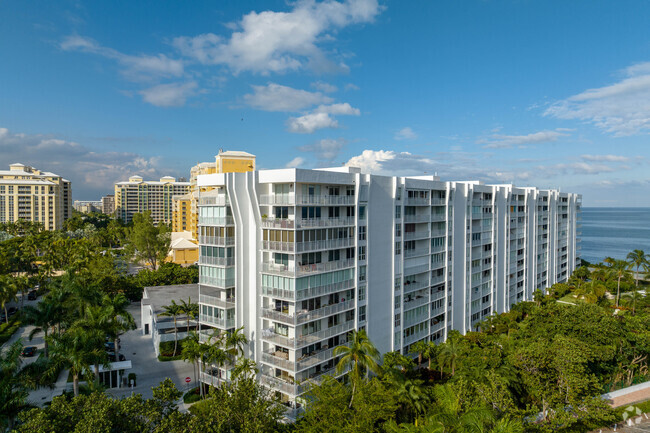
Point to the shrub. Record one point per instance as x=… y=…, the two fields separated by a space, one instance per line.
x=192 y=396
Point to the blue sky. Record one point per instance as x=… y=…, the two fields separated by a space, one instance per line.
x=540 y=93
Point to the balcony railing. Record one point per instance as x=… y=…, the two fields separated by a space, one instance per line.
x=216 y=282
x=311 y=292
x=221 y=200
x=305 y=340
x=416 y=252
x=417 y=201
x=325 y=199
x=215 y=240
x=216 y=221
x=299 y=247
x=217 y=302
x=416 y=302
x=216 y=321
x=436 y=201
x=413 y=270
x=325 y=222
x=420 y=218
x=418 y=234
x=273 y=199
x=300 y=270
x=437 y=217
x=278 y=223
x=217 y=261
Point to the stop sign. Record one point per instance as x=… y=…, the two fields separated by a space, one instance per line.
x=188 y=380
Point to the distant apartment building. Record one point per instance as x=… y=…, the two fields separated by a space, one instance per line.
x=108 y=204
x=30 y=194
x=137 y=196
x=185 y=216
x=85 y=206
x=299 y=258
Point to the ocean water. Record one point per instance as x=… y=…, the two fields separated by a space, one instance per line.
x=614 y=232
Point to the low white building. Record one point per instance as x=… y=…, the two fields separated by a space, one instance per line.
x=299 y=258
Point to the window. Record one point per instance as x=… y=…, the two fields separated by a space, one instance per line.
x=398 y=319
x=362 y=293
x=362 y=233
x=398 y=248
x=398 y=230
x=362 y=273
x=398 y=212
x=362 y=212
x=362 y=253
x=362 y=313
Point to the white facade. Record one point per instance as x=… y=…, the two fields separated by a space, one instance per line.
x=301 y=257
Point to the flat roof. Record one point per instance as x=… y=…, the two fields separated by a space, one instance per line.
x=158 y=296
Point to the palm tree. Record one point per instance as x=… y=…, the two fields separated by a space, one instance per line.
x=13 y=392
x=361 y=355
x=120 y=320
x=637 y=259
x=92 y=328
x=235 y=342
x=448 y=415
x=76 y=350
x=44 y=316
x=173 y=310
x=21 y=285
x=450 y=352
x=410 y=393
x=430 y=353
x=245 y=368
x=189 y=310
x=7 y=294
x=619 y=269
x=192 y=352
x=420 y=347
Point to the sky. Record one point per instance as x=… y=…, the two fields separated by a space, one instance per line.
x=552 y=94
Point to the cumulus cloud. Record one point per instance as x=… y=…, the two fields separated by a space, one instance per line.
x=271 y=41
x=326 y=150
x=320 y=118
x=92 y=173
x=405 y=134
x=621 y=109
x=275 y=97
x=324 y=87
x=502 y=141
x=295 y=162
x=169 y=95
x=605 y=158
x=389 y=162
x=137 y=68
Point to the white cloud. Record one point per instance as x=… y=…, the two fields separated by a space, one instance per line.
x=576 y=168
x=320 y=118
x=405 y=134
x=622 y=108
x=137 y=68
x=501 y=141
x=351 y=86
x=324 y=87
x=169 y=95
x=605 y=158
x=271 y=41
x=389 y=162
x=275 y=97
x=310 y=123
x=326 y=150
x=92 y=173
x=295 y=162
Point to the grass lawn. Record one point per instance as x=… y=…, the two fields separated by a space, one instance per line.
x=570 y=299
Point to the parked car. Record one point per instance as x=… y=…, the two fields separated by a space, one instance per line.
x=28 y=351
x=111 y=346
x=32 y=295
x=111 y=356
x=11 y=311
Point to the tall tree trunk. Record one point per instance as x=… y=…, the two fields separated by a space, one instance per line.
x=618 y=291
x=175 y=336
x=117 y=348
x=354 y=387
x=75 y=384
x=6 y=315
x=45 y=346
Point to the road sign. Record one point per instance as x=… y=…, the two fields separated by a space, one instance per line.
x=188 y=380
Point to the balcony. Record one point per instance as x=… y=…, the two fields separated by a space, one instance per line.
x=416 y=252
x=311 y=292
x=418 y=269
x=216 y=221
x=222 y=323
x=327 y=244
x=222 y=283
x=437 y=279
x=305 y=340
x=217 y=261
x=438 y=217
x=417 y=201
x=217 y=302
x=277 y=199
x=417 y=301
x=415 y=337
x=301 y=270
x=288 y=247
x=278 y=223
x=221 y=200
x=420 y=218
x=325 y=200
x=325 y=222
x=437 y=201
x=413 y=285
x=418 y=234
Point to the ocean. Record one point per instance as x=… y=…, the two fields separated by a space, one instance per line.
x=614 y=232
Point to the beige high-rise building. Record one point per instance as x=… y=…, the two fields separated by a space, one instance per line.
x=185 y=215
x=29 y=194
x=137 y=196
x=108 y=204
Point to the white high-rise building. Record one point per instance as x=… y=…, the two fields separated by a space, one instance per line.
x=299 y=258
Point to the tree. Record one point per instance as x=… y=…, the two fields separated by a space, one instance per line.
x=619 y=269
x=450 y=351
x=430 y=353
x=76 y=350
x=119 y=319
x=420 y=347
x=637 y=259
x=235 y=342
x=361 y=355
x=449 y=416
x=146 y=242
x=192 y=352
x=44 y=316
x=13 y=392
x=173 y=310
x=7 y=294
x=190 y=310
